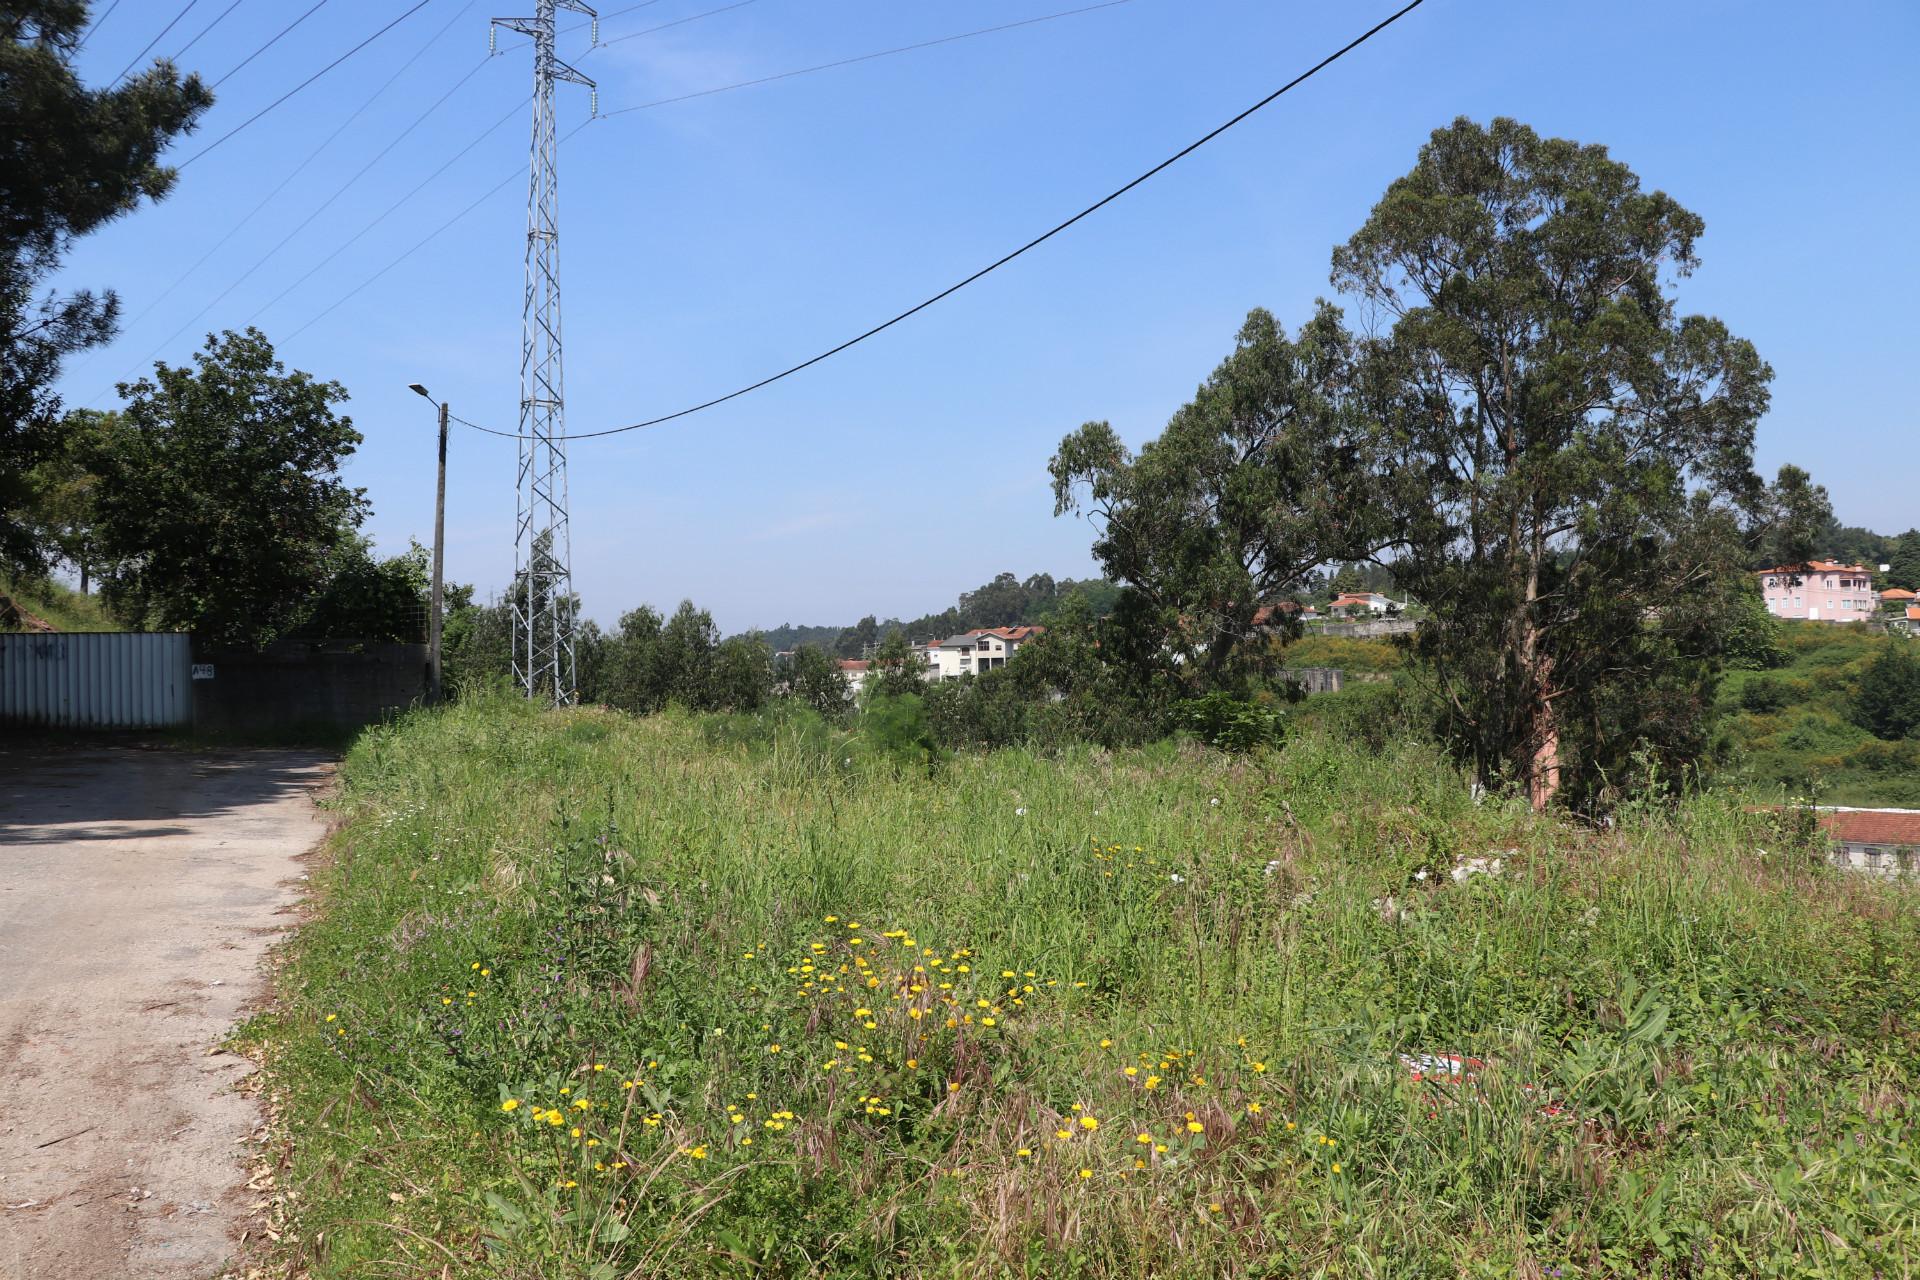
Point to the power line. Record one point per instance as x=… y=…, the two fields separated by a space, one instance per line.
x=304 y=83
x=609 y=17
x=391 y=209
x=991 y=267
x=88 y=34
x=421 y=243
x=678 y=22
x=865 y=57
x=269 y=44
x=210 y=26
x=156 y=40
x=502 y=184
x=311 y=157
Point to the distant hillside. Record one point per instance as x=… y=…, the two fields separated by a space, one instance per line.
x=1006 y=601
x=62 y=608
x=1790 y=726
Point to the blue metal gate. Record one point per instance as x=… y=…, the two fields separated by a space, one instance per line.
x=97 y=680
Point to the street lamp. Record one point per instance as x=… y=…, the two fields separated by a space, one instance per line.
x=439 y=542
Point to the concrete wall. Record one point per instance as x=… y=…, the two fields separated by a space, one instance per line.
x=1365 y=630
x=304 y=684
x=1316 y=679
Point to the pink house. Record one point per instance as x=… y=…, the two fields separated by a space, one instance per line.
x=1819 y=591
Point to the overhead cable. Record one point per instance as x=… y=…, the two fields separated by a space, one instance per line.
x=418 y=245
x=182 y=51
x=326 y=204
x=156 y=40
x=512 y=112
x=502 y=184
x=304 y=83
x=680 y=22
x=313 y=155
x=865 y=57
x=991 y=267
x=95 y=26
x=269 y=44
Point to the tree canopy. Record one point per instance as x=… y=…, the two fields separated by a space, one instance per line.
x=1253 y=483
x=220 y=508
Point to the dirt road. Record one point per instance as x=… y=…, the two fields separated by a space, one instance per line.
x=139 y=890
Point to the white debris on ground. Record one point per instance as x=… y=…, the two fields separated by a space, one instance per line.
x=1477 y=867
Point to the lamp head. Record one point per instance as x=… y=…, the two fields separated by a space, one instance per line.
x=418 y=390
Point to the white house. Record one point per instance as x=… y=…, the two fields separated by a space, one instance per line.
x=1371 y=601
x=973 y=652
x=856 y=670
x=1883 y=841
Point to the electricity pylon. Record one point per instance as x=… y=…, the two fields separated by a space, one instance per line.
x=543 y=603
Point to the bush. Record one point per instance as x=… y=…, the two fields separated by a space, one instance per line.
x=895 y=727
x=1227 y=723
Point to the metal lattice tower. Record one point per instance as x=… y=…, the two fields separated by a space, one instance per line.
x=543 y=608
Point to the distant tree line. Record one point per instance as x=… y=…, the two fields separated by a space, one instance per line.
x=1004 y=602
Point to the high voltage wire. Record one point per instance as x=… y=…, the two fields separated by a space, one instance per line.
x=634 y=35
x=88 y=34
x=304 y=164
x=679 y=22
x=513 y=111
x=210 y=26
x=504 y=182
x=396 y=205
x=304 y=83
x=156 y=40
x=422 y=185
x=865 y=57
x=270 y=43
x=357 y=176
x=420 y=244
x=1034 y=243
x=350 y=182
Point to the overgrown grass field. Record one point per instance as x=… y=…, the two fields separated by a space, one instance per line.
x=593 y=996
x=61 y=607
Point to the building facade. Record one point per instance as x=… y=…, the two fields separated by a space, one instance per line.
x=1819 y=591
x=973 y=652
x=1881 y=841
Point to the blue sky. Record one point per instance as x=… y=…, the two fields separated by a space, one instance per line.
x=709 y=242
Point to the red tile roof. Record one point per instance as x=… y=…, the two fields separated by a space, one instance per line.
x=1872 y=826
x=854 y=664
x=1898 y=593
x=1264 y=614
x=1913 y=613
x=1816 y=566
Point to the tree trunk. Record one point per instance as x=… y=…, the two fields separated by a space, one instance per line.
x=1541 y=767
x=1543 y=770
x=83 y=575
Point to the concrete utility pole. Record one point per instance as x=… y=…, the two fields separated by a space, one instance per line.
x=439 y=555
x=543 y=622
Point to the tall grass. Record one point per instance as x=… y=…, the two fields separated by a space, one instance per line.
x=61 y=607
x=1693 y=1044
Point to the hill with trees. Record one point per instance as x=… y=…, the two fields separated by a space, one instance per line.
x=1004 y=602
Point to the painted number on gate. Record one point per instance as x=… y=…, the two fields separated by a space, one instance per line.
x=202 y=670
